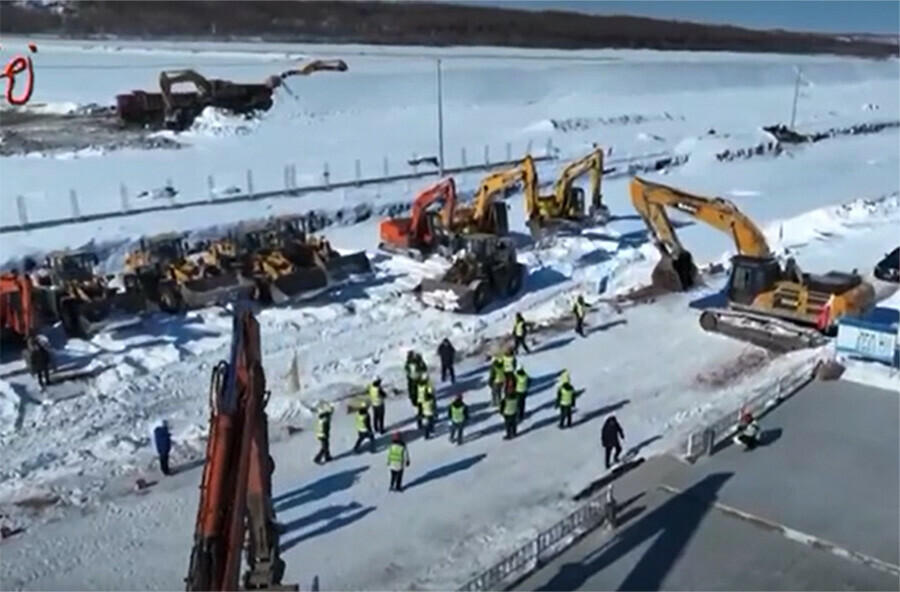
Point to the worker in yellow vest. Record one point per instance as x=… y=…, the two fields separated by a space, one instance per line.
x=521 y=391
x=579 y=310
x=459 y=415
x=520 y=333
x=323 y=432
x=376 y=399
x=510 y=411
x=363 y=428
x=565 y=401
x=509 y=370
x=428 y=412
x=398 y=459
x=424 y=391
x=497 y=378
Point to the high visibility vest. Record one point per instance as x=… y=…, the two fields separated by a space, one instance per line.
x=497 y=374
x=566 y=395
x=510 y=406
x=425 y=391
x=361 y=417
x=428 y=407
x=457 y=414
x=521 y=383
x=375 y=395
x=396 y=456
x=322 y=425
x=579 y=310
x=509 y=363
x=519 y=328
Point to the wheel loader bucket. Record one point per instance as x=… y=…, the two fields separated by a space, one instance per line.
x=304 y=283
x=344 y=266
x=675 y=274
x=462 y=298
x=217 y=289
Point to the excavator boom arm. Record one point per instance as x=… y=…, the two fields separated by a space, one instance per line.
x=651 y=200
x=494 y=183
x=593 y=164
x=444 y=191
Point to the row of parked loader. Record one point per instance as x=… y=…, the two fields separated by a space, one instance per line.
x=273 y=262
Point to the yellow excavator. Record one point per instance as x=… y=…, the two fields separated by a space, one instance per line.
x=565 y=207
x=488 y=214
x=775 y=306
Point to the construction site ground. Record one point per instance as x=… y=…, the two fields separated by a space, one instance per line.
x=25 y=131
x=815 y=507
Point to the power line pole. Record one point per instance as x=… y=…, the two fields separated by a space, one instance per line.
x=796 y=96
x=440 y=114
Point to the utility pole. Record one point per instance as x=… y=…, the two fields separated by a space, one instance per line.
x=440 y=114
x=796 y=96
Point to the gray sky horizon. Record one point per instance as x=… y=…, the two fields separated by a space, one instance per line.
x=822 y=16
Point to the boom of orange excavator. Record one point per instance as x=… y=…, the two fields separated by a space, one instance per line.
x=236 y=490
x=17 y=315
x=419 y=234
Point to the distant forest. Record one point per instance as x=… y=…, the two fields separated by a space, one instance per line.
x=410 y=23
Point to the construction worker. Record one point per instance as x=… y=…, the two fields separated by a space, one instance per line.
x=510 y=411
x=520 y=332
x=521 y=390
x=609 y=437
x=413 y=375
x=398 y=459
x=509 y=370
x=748 y=431
x=497 y=378
x=39 y=361
x=579 y=310
x=376 y=399
x=363 y=428
x=459 y=415
x=323 y=432
x=428 y=412
x=565 y=400
x=162 y=439
x=424 y=390
x=447 y=354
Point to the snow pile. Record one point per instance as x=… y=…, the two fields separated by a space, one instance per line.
x=446 y=300
x=9 y=407
x=215 y=122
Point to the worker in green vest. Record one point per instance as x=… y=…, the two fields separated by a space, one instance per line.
x=565 y=400
x=424 y=390
x=323 y=432
x=520 y=333
x=579 y=309
x=376 y=399
x=398 y=459
x=459 y=415
x=428 y=412
x=521 y=391
x=497 y=380
x=363 y=428
x=509 y=371
x=510 y=411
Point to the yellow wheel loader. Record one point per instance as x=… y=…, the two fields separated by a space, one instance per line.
x=775 y=306
x=164 y=272
x=565 y=208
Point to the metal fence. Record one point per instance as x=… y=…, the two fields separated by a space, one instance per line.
x=703 y=442
x=547 y=544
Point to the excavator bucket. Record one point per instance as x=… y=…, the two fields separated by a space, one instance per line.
x=215 y=289
x=675 y=274
x=462 y=298
x=299 y=285
x=341 y=267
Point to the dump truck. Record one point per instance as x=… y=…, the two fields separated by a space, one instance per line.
x=484 y=271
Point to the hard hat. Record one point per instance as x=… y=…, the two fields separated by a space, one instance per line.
x=395 y=436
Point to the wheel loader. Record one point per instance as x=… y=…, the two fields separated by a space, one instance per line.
x=486 y=270
x=764 y=302
x=68 y=289
x=284 y=262
x=165 y=273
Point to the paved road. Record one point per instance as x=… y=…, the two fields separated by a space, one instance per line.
x=828 y=473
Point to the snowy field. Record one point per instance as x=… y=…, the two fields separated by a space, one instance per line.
x=835 y=204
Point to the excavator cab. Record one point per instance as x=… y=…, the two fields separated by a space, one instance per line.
x=750 y=277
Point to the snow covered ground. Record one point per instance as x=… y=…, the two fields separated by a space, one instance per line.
x=833 y=205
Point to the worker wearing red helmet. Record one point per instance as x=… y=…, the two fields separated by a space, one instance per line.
x=398 y=459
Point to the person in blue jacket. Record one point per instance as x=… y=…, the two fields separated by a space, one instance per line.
x=163 y=441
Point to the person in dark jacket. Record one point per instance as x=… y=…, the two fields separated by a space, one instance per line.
x=609 y=437
x=447 y=354
x=163 y=441
x=323 y=433
x=39 y=361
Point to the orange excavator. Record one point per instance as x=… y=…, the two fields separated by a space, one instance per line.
x=18 y=318
x=236 y=490
x=426 y=230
